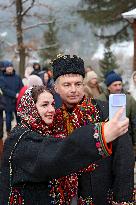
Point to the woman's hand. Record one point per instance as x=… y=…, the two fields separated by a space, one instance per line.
x=115 y=127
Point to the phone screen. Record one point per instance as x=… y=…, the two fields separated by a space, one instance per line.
x=119 y=100
x=116 y=101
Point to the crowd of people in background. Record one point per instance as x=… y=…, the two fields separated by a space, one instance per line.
x=71 y=155
x=12 y=88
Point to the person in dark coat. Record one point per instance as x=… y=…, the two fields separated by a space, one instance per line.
x=34 y=156
x=36 y=68
x=10 y=84
x=112 y=180
x=2 y=107
x=49 y=83
x=1 y=67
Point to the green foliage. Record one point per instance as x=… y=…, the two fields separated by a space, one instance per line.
x=108 y=62
x=108 y=13
x=51 y=48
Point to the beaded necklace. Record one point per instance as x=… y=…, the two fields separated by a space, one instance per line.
x=64 y=123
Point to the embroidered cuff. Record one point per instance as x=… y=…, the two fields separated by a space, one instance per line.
x=112 y=202
x=109 y=145
x=101 y=144
x=123 y=203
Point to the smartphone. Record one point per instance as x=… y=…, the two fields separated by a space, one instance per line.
x=116 y=101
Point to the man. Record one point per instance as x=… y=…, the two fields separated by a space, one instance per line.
x=107 y=181
x=36 y=68
x=10 y=84
x=114 y=85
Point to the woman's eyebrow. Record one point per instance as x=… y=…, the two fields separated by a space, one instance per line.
x=45 y=101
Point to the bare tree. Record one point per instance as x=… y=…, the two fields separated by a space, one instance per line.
x=23 y=10
x=19 y=31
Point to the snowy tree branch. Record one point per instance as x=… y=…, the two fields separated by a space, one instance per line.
x=36 y=25
x=31 y=5
x=50 y=46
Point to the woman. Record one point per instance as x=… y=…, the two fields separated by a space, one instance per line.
x=33 y=159
x=49 y=83
x=91 y=86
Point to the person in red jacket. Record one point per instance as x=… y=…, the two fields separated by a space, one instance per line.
x=32 y=81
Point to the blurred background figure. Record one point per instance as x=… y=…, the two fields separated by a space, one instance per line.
x=2 y=107
x=48 y=81
x=1 y=67
x=132 y=85
x=88 y=68
x=10 y=84
x=45 y=78
x=114 y=85
x=91 y=85
x=32 y=80
x=28 y=72
x=36 y=68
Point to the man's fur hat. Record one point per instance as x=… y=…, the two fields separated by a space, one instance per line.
x=64 y=64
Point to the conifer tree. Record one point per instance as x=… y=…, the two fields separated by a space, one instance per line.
x=108 y=62
x=51 y=45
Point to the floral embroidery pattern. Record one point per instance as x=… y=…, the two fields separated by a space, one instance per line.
x=64 y=189
x=15 y=198
x=99 y=141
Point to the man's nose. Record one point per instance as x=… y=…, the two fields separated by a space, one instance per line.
x=119 y=87
x=73 y=88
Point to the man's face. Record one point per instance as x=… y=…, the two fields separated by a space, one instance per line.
x=115 y=87
x=36 y=66
x=9 y=70
x=70 y=88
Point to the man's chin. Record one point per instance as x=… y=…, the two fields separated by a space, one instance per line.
x=117 y=92
x=73 y=102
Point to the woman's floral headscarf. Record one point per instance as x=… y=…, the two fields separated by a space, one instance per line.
x=29 y=114
x=66 y=187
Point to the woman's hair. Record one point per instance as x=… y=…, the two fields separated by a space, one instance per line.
x=37 y=90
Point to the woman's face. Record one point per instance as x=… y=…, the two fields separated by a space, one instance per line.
x=45 y=106
x=93 y=81
x=46 y=77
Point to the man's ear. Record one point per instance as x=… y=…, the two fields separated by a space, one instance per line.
x=108 y=88
x=56 y=88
